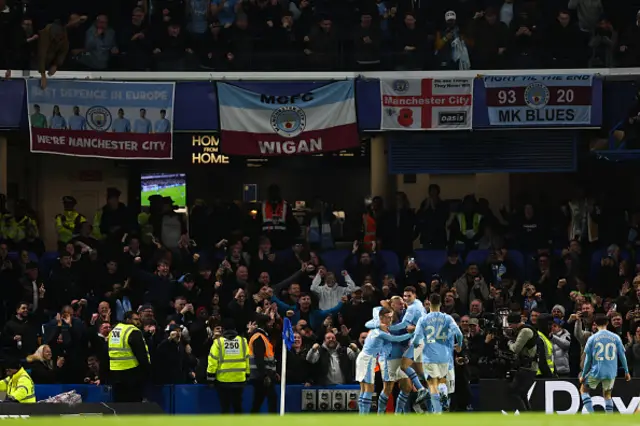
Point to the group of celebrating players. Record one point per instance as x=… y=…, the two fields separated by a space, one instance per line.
x=408 y=343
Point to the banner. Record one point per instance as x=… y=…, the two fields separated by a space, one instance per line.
x=265 y=123
x=541 y=100
x=558 y=396
x=426 y=104
x=118 y=120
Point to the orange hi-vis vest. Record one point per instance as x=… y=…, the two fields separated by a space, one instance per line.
x=274 y=219
x=269 y=355
x=369 y=226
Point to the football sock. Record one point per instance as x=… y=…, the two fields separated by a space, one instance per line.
x=413 y=376
x=586 y=400
x=383 y=399
x=401 y=402
x=435 y=403
x=366 y=402
x=444 y=396
x=608 y=406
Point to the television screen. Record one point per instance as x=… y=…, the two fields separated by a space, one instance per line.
x=172 y=185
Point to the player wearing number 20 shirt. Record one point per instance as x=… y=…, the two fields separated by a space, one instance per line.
x=602 y=352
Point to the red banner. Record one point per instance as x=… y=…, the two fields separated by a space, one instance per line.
x=82 y=143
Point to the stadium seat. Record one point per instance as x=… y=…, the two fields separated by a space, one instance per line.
x=430 y=261
x=15 y=255
x=477 y=256
x=517 y=258
x=46 y=262
x=334 y=260
x=391 y=262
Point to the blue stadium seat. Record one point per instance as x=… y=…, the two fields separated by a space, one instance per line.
x=334 y=260
x=517 y=258
x=46 y=262
x=430 y=261
x=15 y=255
x=391 y=262
x=477 y=256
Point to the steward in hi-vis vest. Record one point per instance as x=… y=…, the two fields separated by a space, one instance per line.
x=228 y=367
x=129 y=361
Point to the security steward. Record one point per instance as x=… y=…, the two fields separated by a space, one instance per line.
x=546 y=364
x=129 y=362
x=262 y=360
x=524 y=345
x=18 y=384
x=228 y=368
x=68 y=223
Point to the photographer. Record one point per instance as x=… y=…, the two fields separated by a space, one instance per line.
x=524 y=346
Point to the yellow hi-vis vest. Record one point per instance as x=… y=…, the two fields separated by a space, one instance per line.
x=229 y=360
x=19 y=387
x=464 y=227
x=97 y=219
x=121 y=356
x=548 y=346
x=66 y=224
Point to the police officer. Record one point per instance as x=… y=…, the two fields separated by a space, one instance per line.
x=228 y=367
x=524 y=345
x=129 y=362
x=68 y=222
x=18 y=384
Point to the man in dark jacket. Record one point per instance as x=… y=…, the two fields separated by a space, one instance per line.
x=263 y=374
x=20 y=336
x=171 y=360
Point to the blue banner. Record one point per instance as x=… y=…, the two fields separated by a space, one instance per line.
x=572 y=100
x=12 y=107
x=119 y=120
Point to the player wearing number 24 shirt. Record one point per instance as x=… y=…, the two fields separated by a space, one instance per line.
x=601 y=355
x=434 y=330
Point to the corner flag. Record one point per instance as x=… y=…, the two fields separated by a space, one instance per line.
x=287 y=334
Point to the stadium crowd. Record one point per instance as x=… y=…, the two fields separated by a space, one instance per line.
x=236 y=35
x=572 y=261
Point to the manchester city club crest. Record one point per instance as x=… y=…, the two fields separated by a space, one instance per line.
x=536 y=95
x=400 y=86
x=288 y=121
x=99 y=118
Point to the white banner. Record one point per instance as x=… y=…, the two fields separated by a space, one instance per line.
x=426 y=104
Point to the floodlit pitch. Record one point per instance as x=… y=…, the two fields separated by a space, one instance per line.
x=321 y=419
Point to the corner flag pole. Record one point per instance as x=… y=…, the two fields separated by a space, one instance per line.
x=283 y=379
x=287 y=343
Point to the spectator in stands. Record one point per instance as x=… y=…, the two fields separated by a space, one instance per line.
x=561 y=340
x=20 y=333
x=99 y=45
x=10 y=38
x=451 y=45
x=298 y=368
x=629 y=46
x=321 y=45
x=44 y=369
x=413 y=45
x=565 y=44
x=173 y=50
x=431 y=220
x=367 y=43
x=471 y=285
x=134 y=42
x=490 y=40
x=335 y=362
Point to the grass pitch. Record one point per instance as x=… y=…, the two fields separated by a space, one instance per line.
x=177 y=193
x=321 y=419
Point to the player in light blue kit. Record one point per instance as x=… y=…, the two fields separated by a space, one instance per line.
x=434 y=330
x=377 y=344
x=412 y=358
x=390 y=364
x=601 y=355
x=448 y=387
